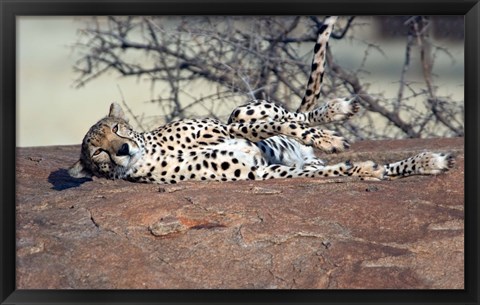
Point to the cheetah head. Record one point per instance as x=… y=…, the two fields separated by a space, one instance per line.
x=109 y=149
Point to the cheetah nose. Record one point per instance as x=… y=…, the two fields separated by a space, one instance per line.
x=124 y=150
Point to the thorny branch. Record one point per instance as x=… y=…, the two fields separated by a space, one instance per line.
x=205 y=66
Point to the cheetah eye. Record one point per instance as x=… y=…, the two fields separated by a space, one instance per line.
x=97 y=152
x=115 y=129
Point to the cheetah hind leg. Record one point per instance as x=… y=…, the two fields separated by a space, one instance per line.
x=335 y=110
x=425 y=163
x=367 y=169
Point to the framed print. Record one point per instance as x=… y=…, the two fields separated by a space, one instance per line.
x=194 y=116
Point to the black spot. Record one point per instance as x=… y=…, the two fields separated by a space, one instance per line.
x=237 y=173
x=251 y=176
x=177 y=169
x=214 y=165
x=164 y=163
x=250 y=112
x=273 y=168
x=225 y=165
x=207 y=136
x=316 y=48
x=322 y=28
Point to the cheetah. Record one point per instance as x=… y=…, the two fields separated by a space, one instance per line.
x=260 y=141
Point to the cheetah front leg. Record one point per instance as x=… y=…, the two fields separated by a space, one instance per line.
x=362 y=169
x=425 y=163
x=323 y=139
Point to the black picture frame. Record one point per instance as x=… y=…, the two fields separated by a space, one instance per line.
x=10 y=9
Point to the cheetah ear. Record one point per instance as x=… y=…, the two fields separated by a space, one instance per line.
x=117 y=112
x=77 y=170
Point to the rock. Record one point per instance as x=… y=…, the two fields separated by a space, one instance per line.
x=166 y=226
x=292 y=233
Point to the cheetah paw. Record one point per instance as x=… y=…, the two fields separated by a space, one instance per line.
x=435 y=163
x=342 y=108
x=328 y=141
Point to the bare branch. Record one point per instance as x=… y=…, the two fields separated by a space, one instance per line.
x=206 y=65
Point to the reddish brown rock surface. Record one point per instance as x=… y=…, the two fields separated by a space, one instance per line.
x=294 y=233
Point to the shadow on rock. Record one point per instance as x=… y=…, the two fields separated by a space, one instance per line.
x=61 y=180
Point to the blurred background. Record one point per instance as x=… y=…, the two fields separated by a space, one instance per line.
x=406 y=71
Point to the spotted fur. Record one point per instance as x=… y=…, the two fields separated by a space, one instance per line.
x=260 y=141
x=206 y=149
x=335 y=110
x=314 y=85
